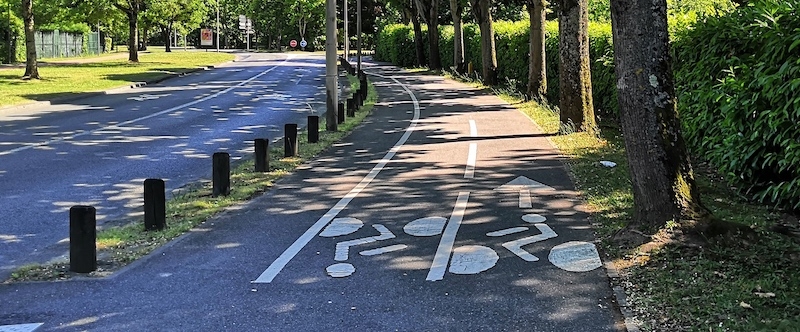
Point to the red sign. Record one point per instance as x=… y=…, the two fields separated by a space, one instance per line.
x=293 y=43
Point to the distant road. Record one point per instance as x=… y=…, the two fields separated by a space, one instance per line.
x=98 y=151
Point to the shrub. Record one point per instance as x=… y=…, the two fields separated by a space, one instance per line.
x=738 y=85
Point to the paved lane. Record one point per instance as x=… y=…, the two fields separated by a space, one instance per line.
x=98 y=150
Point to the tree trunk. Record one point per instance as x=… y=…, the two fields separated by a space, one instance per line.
x=458 y=37
x=133 y=34
x=31 y=66
x=165 y=30
x=483 y=15
x=429 y=10
x=537 y=74
x=418 y=47
x=575 y=78
x=661 y=172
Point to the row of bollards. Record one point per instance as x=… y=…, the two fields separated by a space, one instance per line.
x=83 y=219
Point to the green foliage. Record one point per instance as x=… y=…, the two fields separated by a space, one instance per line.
x=738 y=84
x=396 y=45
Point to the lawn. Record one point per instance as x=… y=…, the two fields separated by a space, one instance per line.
x=97 y=74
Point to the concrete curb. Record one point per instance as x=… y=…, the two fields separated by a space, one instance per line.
x=620 y=298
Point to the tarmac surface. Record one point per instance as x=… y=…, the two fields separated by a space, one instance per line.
x=446 y=210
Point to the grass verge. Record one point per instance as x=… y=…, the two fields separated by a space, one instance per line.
x=733 y=283
x=59 y=79
x=121 y=245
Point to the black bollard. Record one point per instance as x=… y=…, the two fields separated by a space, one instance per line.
x=82 y=238
x=340 y=112
x=359 y=101
x=351 y=107
x=221 y=174
x=290 y=147
x=155 y=205
x=262 y=154
x=313 y=128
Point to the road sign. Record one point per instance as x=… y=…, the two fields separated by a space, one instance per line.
x=293 y=43
x=303 y=43
x=242 y=22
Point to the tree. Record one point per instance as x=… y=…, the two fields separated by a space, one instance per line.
x=456 y=10
x=131 y=8
x=661 y=172
x=575 y=81
x=537 y=74
x=31 y=66
x=410 y=13
x=429 y=10
x=483 y=15
x=304 y=12
x=166 y=14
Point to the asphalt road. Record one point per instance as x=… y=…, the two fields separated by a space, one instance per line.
x=98 y=151
x=447 y=210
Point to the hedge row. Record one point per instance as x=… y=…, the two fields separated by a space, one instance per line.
x=396 y=45
x=737 y=81
x=738 y=86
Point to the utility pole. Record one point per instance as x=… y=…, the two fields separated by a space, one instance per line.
x=331 y=78
x=346 y=34
x=358 y=31
x=217 y=25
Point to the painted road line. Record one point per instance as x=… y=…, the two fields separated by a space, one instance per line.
x=343 y=248
x=473 y=129
x=20 y=327
x=269 y=274
x=442 y=257
x=118 y=125
x=516 y=245
x=507 y=231
x=383 y=250
x=469 y=172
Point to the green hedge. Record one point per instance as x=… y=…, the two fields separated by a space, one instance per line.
x=396 y=45
x=738 y=86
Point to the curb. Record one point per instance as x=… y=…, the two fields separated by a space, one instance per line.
x=620 y=298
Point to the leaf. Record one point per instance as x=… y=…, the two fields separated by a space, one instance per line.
x=745 y=305
x=764 y=295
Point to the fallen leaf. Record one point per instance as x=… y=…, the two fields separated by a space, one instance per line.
x=765 y=295
x=745 y=305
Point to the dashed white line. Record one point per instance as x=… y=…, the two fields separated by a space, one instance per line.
x=442 y=257
x=194 y=102
x=473 y=129
x=269 y=274
x=469 y=172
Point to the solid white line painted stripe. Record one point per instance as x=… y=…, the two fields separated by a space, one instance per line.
x=269 y=274
x=191 y=103
x=442 y=257
x=469 y=172
x=383 y=250
x=473 y=129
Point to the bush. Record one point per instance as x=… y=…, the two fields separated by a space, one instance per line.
x=738 y=85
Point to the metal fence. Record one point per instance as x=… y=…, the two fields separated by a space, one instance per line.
x=56 y=44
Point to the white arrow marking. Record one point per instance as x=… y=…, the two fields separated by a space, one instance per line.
x=524 y=186
x=147 y=97
x=343 y=248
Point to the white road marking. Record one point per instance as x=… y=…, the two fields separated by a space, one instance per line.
x=145 y=96
x=507 y=231
x=343 y=248
x=340 y=270
x=442 y=257
x=575 y=256
x=525 y=199
x=428 y=226
x=90 y=132
x=473 y=129
x=533 y=218
x=473 y=259
x=383 y=250
x=269 y=274
x=516 y=245
x=342 y=226
x=469 y=172
x=20 y=327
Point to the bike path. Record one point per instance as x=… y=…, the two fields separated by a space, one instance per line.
x=447 y=210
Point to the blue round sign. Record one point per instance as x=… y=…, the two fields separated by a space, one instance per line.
x=303 y=43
